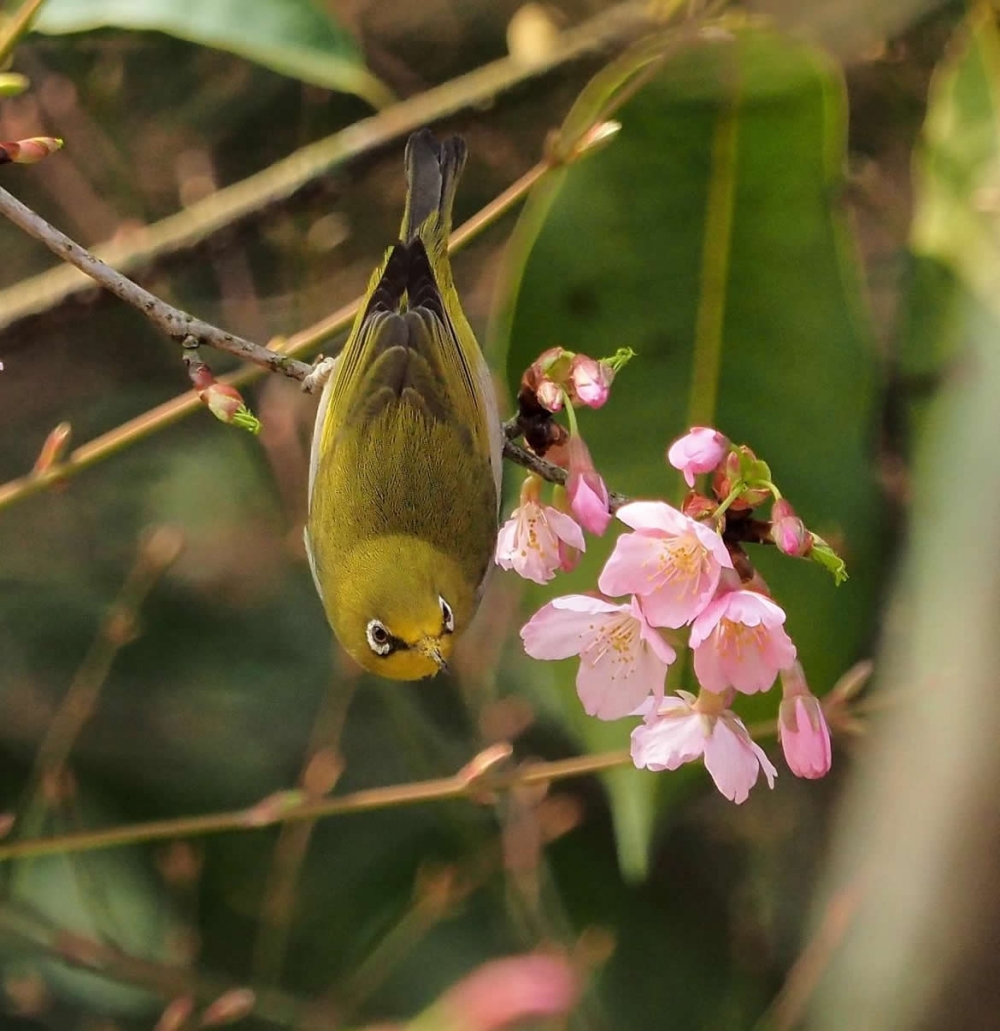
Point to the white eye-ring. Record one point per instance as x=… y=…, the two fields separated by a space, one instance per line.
x=379 y=639
x=447 y=615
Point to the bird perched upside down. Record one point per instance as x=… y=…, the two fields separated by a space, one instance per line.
x=404 y=475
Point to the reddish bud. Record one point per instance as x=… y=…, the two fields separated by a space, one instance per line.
x=54 y=449
x=788 y=531
x=227 y=405
x=29 y=151
x=697 y=506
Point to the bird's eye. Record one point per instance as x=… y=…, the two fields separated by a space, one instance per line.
x=379 y=639
x=447 y=615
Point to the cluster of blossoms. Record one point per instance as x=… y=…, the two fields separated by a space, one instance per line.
x=676 y=578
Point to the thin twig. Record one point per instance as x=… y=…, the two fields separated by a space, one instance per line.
x=616 y=26
x=437 y=790
x=547 y=471
x=177 y=324
x=304 y=342
x=28 y=933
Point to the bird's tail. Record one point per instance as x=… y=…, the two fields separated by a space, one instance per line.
x=432 y=171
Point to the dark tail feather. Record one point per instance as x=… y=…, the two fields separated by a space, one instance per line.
x=432 y=171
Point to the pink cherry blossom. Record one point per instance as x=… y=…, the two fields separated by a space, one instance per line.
x=590 y=381
x=676 y=733
x=588 y=496
x=671 y=561
x=700 y=450
x=739 y=641
x=506 y=991
x=532 y=542
x=805 y=736
x=623 y=660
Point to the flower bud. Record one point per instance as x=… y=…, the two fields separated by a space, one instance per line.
x=742 y=469
x=589 y=381
x=226 y=404
x=29 y=151
x=697 y=506
x=802 y=727
x=788 y=531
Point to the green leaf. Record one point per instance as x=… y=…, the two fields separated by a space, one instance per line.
x=293 y=37
x=714 y=217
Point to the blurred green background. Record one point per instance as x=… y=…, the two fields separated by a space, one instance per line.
x=763 y=173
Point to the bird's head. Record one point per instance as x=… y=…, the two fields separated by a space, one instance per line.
x=402 y=606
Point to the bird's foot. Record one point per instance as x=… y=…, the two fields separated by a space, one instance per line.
x=322 y=370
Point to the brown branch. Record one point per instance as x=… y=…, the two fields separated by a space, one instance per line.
x=513 y=452
x=617 y=26
x=29 y=933
x=177 y=324
x=305 y=342
x=460 y=785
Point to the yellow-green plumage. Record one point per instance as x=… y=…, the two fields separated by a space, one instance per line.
x=405 y=467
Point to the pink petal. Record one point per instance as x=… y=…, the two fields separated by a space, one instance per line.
x=565 y=528
x=669 y=741
x=653 y=515
x=588 y=505
x=733 y=763
x=623 y=573
x=752 y=608
x=611 y=689
x=560 y=628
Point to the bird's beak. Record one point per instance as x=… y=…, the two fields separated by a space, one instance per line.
x=429 y=647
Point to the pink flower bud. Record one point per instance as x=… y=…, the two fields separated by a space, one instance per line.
x=27 y=152
x=590 y=381
x=588 y=496
x=700 y=450
x=788 y=532
x=802 y=727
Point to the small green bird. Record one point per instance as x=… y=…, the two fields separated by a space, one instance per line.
x=404 y=475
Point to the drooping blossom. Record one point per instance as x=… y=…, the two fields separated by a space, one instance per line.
x=505 y=992
x=676 y=732
x=588 y=495
x=530 y=541
x=590 y=380
x=739 y=641
x=802 y=727
x=623 y=660
x=671 y=561
x=700 y=450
